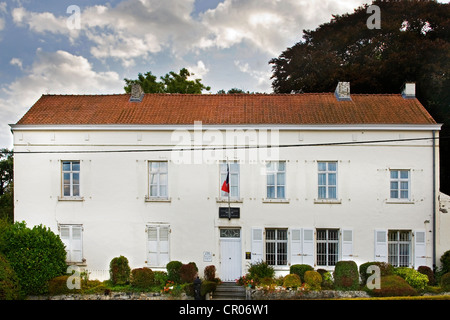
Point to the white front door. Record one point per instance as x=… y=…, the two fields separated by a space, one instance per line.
x=230 y=254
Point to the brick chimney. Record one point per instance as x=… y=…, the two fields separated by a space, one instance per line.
x=136 y=93
x=409 y=90
x=342 y=91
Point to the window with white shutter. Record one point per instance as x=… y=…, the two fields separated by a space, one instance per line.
x=257 y=245
x=381 y=247
x=420 y=252
x=158 y=245
x=72 y=237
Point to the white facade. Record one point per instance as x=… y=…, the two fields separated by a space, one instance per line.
x=362 y=193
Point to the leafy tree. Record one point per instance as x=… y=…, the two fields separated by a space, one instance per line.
x=171 y=83
x=6 y=184
x=412 y=45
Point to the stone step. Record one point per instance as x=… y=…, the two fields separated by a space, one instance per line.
x=229 y=291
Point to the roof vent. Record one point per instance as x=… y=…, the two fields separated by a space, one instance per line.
x=342 y=91
x=409 y=90
x=137 y=94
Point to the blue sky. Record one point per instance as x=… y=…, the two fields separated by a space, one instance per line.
x=44 y=49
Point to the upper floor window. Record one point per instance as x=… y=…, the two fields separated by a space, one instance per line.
x=71 y=178
x=276 y=179
x=233 y=179
x=327 y=180
x=158 y=179
x=400 y=184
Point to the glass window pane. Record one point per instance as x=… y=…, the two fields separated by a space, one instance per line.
x=322 y=166
x=163 y=166
x=280 y=192
x=66 y=178
x=281 y=166
x=153 y=179
x=271 y=192
x=332 y=166
x=163 y=191
x=322 y=193
x=154 y=166
x=66 y=190
x=270 y=179
x=234 y=167
x=404 y=174
x=76 y=166
x=394 y=174
x=280 y=179
x=270 y=166
x=332 y=179
x=234 y=191
x=153 y=191
x=163 y=179
x=332 y=192
x=66 y=166
x=404 y=194
x=233 y=179
x=76 y=178
x=322 y=179
x=76 y=190
x=404 y=185
x=394 y=194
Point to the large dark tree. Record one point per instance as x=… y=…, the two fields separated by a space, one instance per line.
x=412 y=45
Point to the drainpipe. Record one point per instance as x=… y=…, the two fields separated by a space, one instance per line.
x=434 y=199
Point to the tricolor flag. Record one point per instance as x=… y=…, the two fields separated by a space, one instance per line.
x=226 y=183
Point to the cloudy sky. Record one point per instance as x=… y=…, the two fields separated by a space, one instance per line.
x=90 y=46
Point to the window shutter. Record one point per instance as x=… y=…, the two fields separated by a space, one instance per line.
x=65 y=238
x=296 y=246
x=347 y=244
x=152 y=234
x=257 y=245
x=381 y=246
x=420 y=248
x=308 y=246
x=163 y=246
x=77 y=247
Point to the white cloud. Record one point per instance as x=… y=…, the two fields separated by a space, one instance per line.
x=16 y=62
x=198 y=71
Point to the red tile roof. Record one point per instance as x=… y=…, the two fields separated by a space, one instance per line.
x=293 y=109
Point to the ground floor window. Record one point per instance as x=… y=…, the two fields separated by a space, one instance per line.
x=327 y=241
x=276 y=247
x=158 y=245
x=399 y=248
x=72 y=237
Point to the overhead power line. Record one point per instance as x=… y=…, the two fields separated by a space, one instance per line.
x=209 y=148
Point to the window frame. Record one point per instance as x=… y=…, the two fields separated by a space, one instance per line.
x=397 y=243
x=69 y=242
x=327 y=185
x=159 y=252
x=327 y=242
x=275 y=184
x=223 y=175
x=71 y=185
x=158 y=185
x=399 y=181
x=277 y=242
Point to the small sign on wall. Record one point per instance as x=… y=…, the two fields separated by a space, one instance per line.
x=207 y=256
x=248 y=255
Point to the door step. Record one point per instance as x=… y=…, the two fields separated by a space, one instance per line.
x=229 y=291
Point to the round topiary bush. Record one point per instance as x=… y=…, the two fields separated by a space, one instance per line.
x=414 y=278
x=188 y=272
x=9 y=283
x=173 y=271
x=261 y=270
x=300 y=269
x=210 y=273
x=313 y=279
x=445 y=260
x=445 y=282
x=142 y=278
x=36 y=255
x=346 y=276
x=119 y=271
x=292 y=281
x=386 y=269
x=429 y=273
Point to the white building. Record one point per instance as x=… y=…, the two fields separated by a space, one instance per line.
x=355 y=177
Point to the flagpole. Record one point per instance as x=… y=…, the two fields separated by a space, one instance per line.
x=229 y=191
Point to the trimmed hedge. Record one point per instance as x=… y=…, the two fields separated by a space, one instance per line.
x=429 y=273
x=173 y=271
x=445 y=282
x=142 y=278
x=346 y=276
x=292 y=281
x=119 y=271
x=300 y=269
x=210 y=273
x=9 y=283
x=414 y=278
x=386 y=269
x=58 y=285
x=188 y=272
x=391 y=286
x=313 y=279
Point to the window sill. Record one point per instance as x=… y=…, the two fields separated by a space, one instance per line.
x=394 y=201
x=151 y=199
x=70 y=198
x=266 y=200
x=327 y=201
x=225 y=200
x=78 y=264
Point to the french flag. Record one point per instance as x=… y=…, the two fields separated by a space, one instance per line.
x=226 y=183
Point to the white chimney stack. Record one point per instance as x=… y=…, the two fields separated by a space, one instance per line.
x=136 y=93
x=409 y=90
x=342 y=91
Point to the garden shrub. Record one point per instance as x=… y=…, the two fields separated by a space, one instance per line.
x=429 y=273
x=386 y=269
x=207 y=287
x=413 y=277
x=210 y=273
x=445 y=260
x=391 y=286
x=173 y=271
x=119 y=271
x=9 y=283
x=188 y=272
x=58 y=286
x=445 y=282
x=260 y=270
x=346 y=276
x=36 y=255
x=313 y=279
x=160 y=278
x=292 y=281
x=300 y=269
x=327 y=279
x=142 y=278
